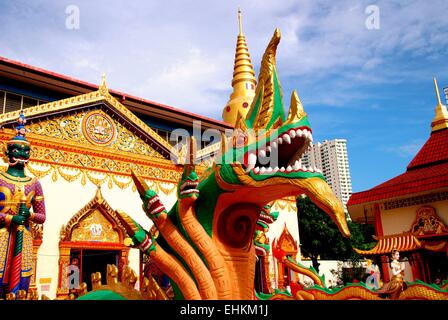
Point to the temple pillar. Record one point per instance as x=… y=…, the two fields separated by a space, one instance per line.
x=416 y=266
x=64 y=262
x=385 y=268
x=123 y=261
x=266 y=281
x=379 y=232
x=378 y=221
x=280 y=275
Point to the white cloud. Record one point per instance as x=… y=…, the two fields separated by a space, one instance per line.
x=190 y=80
x=181 y=52
x=407 y=150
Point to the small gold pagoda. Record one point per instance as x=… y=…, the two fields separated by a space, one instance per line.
x=243 y=81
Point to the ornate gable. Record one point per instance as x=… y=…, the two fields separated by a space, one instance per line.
x=427 y=222
x=94 y=129
x=99 y=129
x=97 y=221
x=93 y=137
x=287 y=243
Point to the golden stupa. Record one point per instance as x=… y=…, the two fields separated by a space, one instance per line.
x=243 y=81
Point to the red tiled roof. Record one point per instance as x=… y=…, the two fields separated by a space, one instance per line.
x=410 y=182
x=435 y=150
x=427 y=171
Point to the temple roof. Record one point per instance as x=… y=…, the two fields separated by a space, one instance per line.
x=102 y=95
x=427 y=171
x=411 y=182
x=434 y=151
x=401 y=242
x=68 y=85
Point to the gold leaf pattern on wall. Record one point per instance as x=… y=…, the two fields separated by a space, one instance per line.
x=288 y=204
x=97 y=178
x=69 y=128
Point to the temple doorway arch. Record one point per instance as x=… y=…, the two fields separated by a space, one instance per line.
x=288 y=245
x=92 y=238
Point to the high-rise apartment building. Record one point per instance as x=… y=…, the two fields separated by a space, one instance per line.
x=331 y=157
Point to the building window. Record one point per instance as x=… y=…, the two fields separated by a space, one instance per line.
x=11 y=102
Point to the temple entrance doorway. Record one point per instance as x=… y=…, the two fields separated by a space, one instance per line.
x=436 y=265
x=91 y=239
x=91 y=261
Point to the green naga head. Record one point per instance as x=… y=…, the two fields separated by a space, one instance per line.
x=188 y=185
x=267 y=217
x=266 y=149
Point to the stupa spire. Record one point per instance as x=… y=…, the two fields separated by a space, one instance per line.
x=240 y=21
x=440 y=120
x=243 y=82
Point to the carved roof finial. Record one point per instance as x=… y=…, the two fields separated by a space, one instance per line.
x=99 y=196
x=103 y=86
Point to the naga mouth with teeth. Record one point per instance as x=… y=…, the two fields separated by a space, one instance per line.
x=189 y=187
x=282 y=154
x=154 y=205
x=274 y=169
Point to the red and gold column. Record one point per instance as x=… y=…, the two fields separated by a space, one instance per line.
x=64 y=262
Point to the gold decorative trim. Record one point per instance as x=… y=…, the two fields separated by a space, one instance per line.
x=120 y=184
x=37 y=230
x=285 y=204
x=98 y=165
x=41 y=143
x=39 y=198
x=14 y=178
x=97 y=178
x=208 y=150
x=88 y=98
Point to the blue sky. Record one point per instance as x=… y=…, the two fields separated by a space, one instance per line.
x=371 y=87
